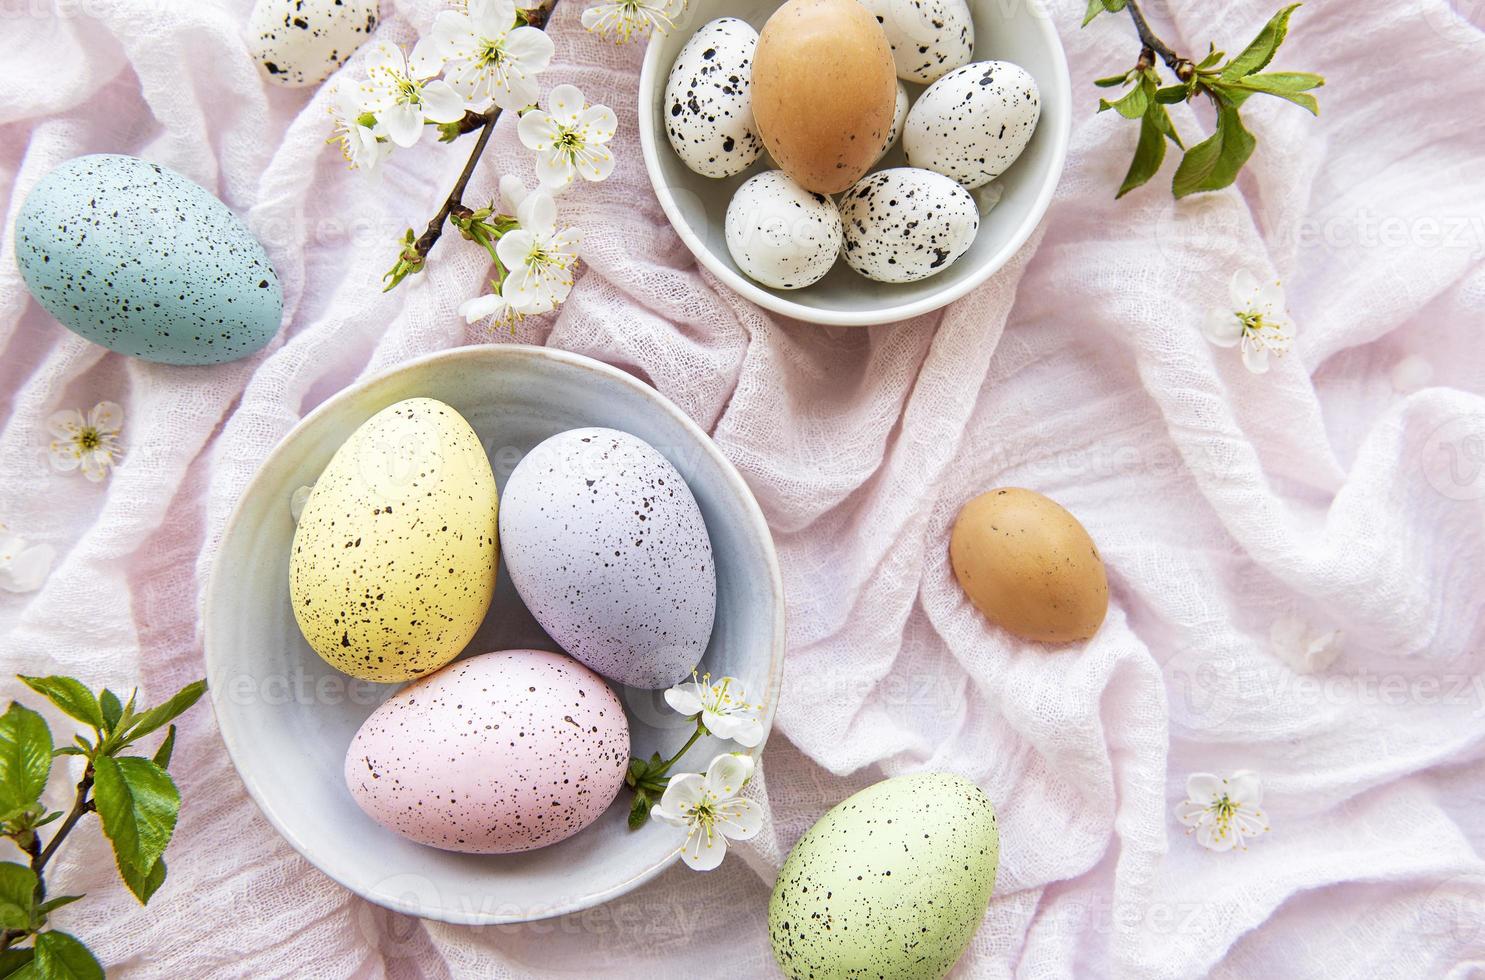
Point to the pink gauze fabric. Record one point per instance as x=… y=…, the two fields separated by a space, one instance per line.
x=1346 y=486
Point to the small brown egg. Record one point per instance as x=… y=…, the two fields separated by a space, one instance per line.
x=824 y=91
x=1028 y=565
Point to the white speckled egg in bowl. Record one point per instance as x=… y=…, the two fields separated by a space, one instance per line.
x=288 y=717
x=697 y=206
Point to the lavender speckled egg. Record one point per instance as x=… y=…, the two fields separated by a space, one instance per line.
x=393 y=562
x=709 y=114
x=906 y=224
x=890 y=883
x=497 y=753
x=974 y=122
x=301 y=42
x=928 y=37
x=780 y=234
x=135 y=257
x=607 y=548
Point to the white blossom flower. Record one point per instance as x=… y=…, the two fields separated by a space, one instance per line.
x=1254 y=321
x=1302 y=647
x=709 y=810
x=492 y=305
x=1223 y=813
x=723 y=708
x=538 y=257
x=624 y=20
x=568 y=138
x=91 y=443
x=401 y=92
x=23 y=566
x=489 y=58
x=361 y=136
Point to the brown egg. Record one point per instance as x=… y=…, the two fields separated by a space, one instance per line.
x=1028 y=565
x=824 y=91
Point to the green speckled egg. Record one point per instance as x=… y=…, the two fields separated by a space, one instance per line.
x=135 y=257
x=889 y=884
x=393 y=562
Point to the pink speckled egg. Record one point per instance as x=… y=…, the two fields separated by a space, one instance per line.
x=609 y=551
x=497 y=753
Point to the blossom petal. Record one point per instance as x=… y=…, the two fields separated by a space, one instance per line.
x=555 y=172
x=739 y=819
x=704 y=848
x=566 y=104
x=1223 y=328
x=685 y=698
x=537 y=130
x=683 y=792
x=598 y=123
x=1242 y=289
x=727 y=774
x=512 y=193
x=473 y=310
x=531 y=48
x=1245 y=788
x=426 y=59
x=28 y=569
x=596 y=164
x=64 y=456
x=1215 y=838
x=492 y=18
x=1247 y=824
x=65 y=424
x=95 y=465
x=107 y=417
x=1191 y=814
x=1203 y=788
x=404 y=123
x=1255 y=357
x=538 y=215
x=441 y=103
x=1270 y=298
x=748 y=733
x=513 y=249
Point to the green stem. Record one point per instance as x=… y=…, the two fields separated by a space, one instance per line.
x=81 y=805
x=1183 y=67
x=700 y=731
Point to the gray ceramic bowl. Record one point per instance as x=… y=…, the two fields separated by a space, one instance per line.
x=287 y=716
x=1021 y=32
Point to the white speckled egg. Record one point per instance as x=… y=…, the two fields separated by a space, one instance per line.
x=607 y=548
x=493 y=754
x=393 y=560
x=974 y=122
x=709 y=109
x=301 y=42
x=906 y=224
x=780 y=234
x=891 y=882
x=928 y=37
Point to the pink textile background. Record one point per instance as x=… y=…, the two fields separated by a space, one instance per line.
x=1220 y=500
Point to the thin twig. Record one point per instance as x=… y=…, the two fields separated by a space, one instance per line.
x=80 y=806
x=1181 y=66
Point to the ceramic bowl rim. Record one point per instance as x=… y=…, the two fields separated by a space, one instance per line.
x=757 y=526
x=652 y=74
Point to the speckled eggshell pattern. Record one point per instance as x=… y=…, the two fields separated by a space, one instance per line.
x=974 y=122
x=302 y=42
x=905 y=224
x=891 y=883
x=709 y=108
x=609 y=552
x=780 y=234
x=493 y=754
x=928 y=37
x=393 y=562
x=135 y=257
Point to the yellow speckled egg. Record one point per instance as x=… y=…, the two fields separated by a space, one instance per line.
x=1030 y=566
x=393 y=562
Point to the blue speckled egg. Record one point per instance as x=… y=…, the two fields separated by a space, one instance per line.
x=135 y=257
x=892 y=883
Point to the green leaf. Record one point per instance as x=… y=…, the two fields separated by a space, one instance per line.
x=25 y=759
x=640 y=811
x=144 y=884
x=1172 y=94
x=1214 y=163
x=1132 y=105
x=1096 y=7
x=166 y=749
x=1261 y=50
x=13 y=961
x=112 y=709
x=138 y=805
x=61 y=957
x=162 y=715
x=17 y=896
x=1113 y=81
x=70 y=695
x=68 y=750
x=1213 y=56
x=1161 y=119
x=1149 y=153
x=52 y=904
x=1290 y=85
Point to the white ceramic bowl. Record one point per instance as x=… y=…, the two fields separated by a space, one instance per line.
x=1021 y=32
x=287 y=716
